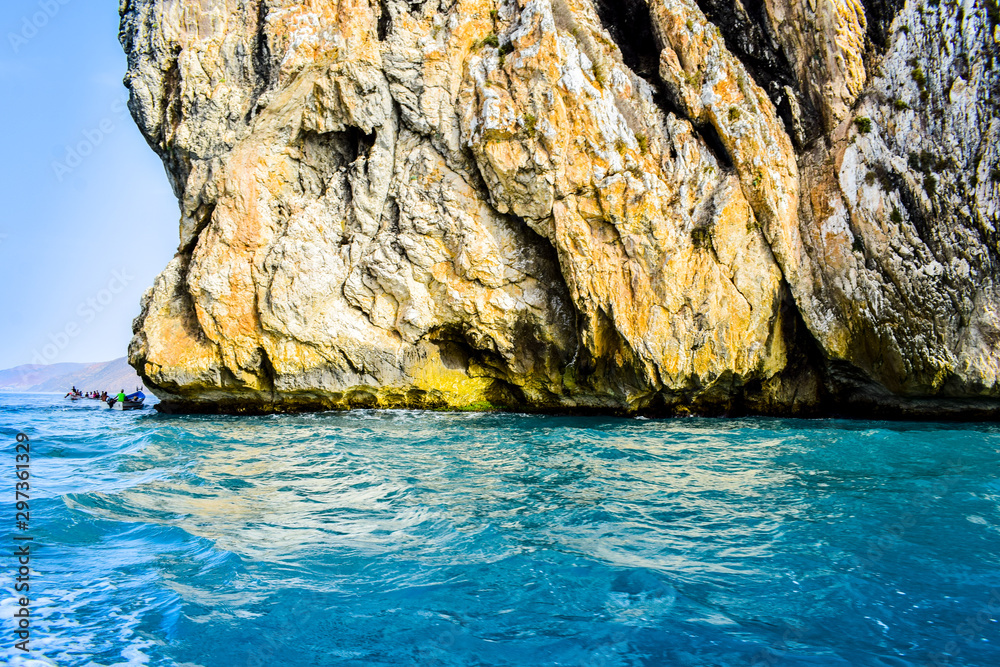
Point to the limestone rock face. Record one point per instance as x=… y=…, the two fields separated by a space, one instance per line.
x=900 y=224
x=660 y=206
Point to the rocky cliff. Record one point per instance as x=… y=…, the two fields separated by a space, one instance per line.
x=661 y=206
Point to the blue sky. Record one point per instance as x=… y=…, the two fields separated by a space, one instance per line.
x=81 y=238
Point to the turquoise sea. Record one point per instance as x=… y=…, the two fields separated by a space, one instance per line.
x=418 y=538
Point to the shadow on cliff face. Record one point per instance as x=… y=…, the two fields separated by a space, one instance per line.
x=879 y=15
x=749 y=36
x=261 y=60
x=630 y=26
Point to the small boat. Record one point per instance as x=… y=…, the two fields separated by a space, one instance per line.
x=131 y=402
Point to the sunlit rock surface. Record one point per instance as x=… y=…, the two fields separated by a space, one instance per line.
x=660 y=206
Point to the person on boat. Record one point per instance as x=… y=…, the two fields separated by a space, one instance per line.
x=121 y=396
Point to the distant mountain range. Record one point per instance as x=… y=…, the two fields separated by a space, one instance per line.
x=107 y=376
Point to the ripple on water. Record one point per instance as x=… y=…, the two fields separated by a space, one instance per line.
x=408 y=537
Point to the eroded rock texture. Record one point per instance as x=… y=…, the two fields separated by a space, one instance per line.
x=666 y=206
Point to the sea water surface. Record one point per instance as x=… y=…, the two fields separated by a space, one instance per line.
x=421 y=538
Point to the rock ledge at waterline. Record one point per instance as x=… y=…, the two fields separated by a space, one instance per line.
x=666 y=207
